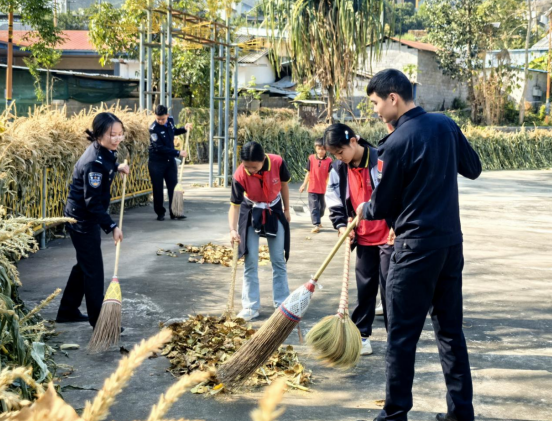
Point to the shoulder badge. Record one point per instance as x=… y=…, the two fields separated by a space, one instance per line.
x=95 y=179
x=154 y=137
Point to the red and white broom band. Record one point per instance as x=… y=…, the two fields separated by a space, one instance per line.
x=296 y=304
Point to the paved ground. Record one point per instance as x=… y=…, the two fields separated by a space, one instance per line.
x=507 y=222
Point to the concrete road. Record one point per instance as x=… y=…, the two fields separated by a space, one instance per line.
x=507 y=224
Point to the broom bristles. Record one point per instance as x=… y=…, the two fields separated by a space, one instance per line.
x=177 y=205
x=257 y=350
x=107 y=331
x=337 y=341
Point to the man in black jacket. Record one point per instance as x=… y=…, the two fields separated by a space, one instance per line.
x=162 y=153
x=418 y=166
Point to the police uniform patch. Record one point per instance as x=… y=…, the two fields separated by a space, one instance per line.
x=380 y=168
x=154 y=137
x=95 y=179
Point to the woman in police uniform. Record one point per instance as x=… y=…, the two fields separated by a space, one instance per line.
x=87 y=202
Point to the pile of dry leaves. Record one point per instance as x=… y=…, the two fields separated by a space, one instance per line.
x=203 y=343
x=212 y=253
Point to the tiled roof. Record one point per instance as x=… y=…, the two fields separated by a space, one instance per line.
x=417 y=45
x=74 y=40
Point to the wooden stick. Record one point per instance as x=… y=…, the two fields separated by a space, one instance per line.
x=118 y=248
x=336 y=248
x=181 y=178
x=233 y=281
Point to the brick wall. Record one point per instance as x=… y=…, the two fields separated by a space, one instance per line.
x=436 y=88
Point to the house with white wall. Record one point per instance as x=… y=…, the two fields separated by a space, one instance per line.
x=434 y=90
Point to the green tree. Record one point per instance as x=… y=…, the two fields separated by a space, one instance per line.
x=45 y=57
x=191 y=72
x=37 y=14
x=114 y=32
x=404 y=17
x=325 y=40
x=510 y=19
x=77 y=20
x=460 y=30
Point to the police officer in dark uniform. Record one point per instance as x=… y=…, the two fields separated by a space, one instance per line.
x=162 y=154
x=88 y=201
x=419 y=165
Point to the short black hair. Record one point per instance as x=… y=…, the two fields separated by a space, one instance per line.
x=338 y=135
x=319 y=142
x=161 y=110
x=390 y=81
x=252 y=151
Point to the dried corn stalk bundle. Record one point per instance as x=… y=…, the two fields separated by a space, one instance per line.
x=212 y=253
x=21 y=331
x=203 y=343
x=47 y=139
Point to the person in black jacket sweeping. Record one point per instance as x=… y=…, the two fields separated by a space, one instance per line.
x=87 y=202
x=162 y=164
x=418 y=167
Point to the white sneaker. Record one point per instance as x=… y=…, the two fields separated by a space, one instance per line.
x=366 y=347
x=247 y=314
x=379 y=309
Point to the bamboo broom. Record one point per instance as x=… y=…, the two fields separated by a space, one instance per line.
x=230 y=313
x=107 y=331
x=275 y=330
x=177 y=205
x=336 y=339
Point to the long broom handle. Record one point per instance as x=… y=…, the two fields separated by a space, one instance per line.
x=118 y=248
x=233 y=281
x=184 y=158
x=344 y=299
x=335 y=249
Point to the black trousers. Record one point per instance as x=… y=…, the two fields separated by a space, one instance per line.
x=162 y=170
x=372 y=265
x=317 y=206
x=418 y=283
x=86 y=278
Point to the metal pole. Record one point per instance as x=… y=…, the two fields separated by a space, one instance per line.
x=226 y=101
x=162 y=99
x=235 y=154
x=149 y=96
x=44 y=213
x=220 y=110
x=142 y=69
x=211 y=113
x=9 y=69
x=169 y=58
x=548 y=65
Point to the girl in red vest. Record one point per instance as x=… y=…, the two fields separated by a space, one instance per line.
x=260 y=208
x=318 y=170
x=353 y=177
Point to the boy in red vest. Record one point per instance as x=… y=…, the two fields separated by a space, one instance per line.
x=318 y=170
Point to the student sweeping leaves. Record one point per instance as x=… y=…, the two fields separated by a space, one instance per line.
x=260 y=208
x=352 y=180
x=87 y=202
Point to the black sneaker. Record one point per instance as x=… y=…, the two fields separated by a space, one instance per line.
x=446 y=417
x=78 y=318
x=161 y=218
x=178 y=218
